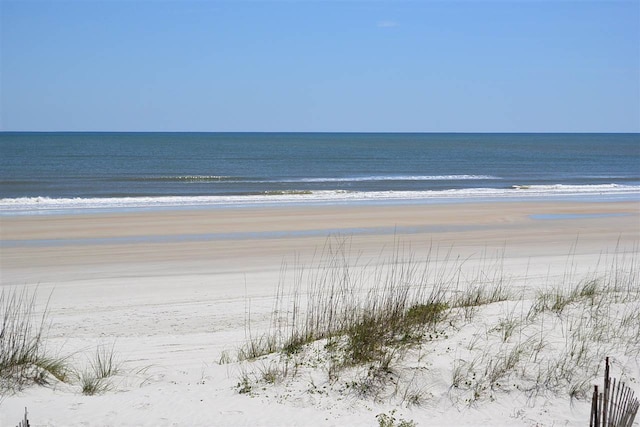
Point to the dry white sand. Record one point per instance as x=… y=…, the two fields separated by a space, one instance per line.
x=172 y=289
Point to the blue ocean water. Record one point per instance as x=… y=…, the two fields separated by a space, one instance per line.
x=47 y=170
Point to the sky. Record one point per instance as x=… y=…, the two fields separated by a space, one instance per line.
x=320 y=66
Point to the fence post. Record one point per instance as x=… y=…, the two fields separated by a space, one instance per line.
x=25 y=421
x=593 y=421
x=615 y=406
x=607 y=380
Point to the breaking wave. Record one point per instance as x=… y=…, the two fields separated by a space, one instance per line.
x=28 y=205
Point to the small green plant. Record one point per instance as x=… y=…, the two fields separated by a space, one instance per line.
x=414 y=395
x=225 y=358
x=507 y=326
x=295 y=344
x=588 y=289
x=244 y=385
x=96 y=379
x=274 y=371
x=389 y=420
x=257 y=347
x=366 y=340
x=104 y=363
x=90 y=385
x=482 y=295
x=426 y=314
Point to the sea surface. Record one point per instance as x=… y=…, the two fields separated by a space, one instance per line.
x=57 y=172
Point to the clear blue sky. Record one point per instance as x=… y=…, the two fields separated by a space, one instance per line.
x=413 y=66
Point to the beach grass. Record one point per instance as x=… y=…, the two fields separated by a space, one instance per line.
x=24 y=359
x=103 y=365
x=375 y=333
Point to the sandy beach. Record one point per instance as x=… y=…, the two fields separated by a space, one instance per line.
x=319 y=213
x=47 y=248
x=171 y=289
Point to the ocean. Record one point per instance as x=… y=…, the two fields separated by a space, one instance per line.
x=58 y=172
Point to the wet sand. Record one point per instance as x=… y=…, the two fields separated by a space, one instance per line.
x=58 y=248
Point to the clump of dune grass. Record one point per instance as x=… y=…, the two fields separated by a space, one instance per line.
x=374 y=333
x=366 y=319
x=24 y=359
x=394 y=303
x=103 y=366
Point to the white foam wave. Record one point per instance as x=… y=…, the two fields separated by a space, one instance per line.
x=45 y=204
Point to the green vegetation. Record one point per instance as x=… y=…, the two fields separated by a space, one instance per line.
x=372 y=333
x=96 y=379
x=389 y=420
x=24 y=360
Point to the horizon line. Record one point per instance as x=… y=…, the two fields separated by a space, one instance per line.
x=320 y=132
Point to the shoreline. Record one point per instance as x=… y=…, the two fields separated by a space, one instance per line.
x=515 y=194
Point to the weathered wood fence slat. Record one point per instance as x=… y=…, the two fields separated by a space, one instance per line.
x=25 y=421
x=615 y=406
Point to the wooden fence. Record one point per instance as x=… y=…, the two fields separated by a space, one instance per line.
x=615 y=406
x=25 y=421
